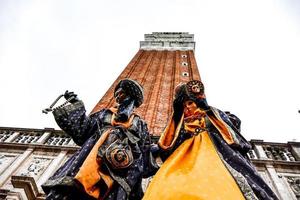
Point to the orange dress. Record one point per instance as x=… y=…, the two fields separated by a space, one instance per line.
x=194 y=171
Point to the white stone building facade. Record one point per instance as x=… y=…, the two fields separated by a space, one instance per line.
x=28 y=157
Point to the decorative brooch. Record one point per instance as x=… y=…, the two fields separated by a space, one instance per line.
x=196 y=87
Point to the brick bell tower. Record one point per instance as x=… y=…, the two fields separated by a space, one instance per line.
x=163 y=61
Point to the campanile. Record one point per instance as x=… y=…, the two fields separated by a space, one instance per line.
x=163 y=61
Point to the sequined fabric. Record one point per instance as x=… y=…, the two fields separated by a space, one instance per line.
x=199 y=159
x=86 y=131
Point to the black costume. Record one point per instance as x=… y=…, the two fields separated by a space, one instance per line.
x=205 y=154
x=114 y=155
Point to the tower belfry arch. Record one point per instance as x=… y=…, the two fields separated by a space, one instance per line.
x=163 y=60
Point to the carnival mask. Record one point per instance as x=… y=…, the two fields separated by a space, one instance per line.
x=189 y=108
x=120 y=96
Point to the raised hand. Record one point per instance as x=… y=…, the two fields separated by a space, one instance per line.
x=71 y=96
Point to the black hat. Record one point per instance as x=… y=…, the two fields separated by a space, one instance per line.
x=192 y=90
x=133 y=89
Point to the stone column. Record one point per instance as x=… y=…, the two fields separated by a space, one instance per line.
x=295 y=149
x=260 y=152
x=258 y=149
x=12 y=137
x=51 y=168
x=43 y=138
x=14 y=166
x=281 y=191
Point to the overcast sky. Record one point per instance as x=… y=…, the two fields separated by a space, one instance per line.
x=248 y=54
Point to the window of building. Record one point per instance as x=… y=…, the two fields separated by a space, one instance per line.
x=185 y=74
x=184 y=64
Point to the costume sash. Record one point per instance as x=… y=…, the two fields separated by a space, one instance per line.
x=90 y=172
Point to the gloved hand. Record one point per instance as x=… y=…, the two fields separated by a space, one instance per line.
x=155 y=150
x=72 y=95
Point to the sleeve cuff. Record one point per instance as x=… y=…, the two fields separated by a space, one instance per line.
x=66 y=110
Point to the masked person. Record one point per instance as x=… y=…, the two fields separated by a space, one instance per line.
x=204 y=154
x=114 y=154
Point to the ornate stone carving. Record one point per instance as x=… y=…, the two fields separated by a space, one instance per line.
x=27 y=137
x=59 y=140
x=294 y=183
x=5 y=134
x=34 y=167
x=251 y=154
x=279 y=153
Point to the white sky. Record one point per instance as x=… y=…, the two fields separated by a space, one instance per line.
x=248 y=53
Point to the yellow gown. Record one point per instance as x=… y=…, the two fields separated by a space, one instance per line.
x=194 y=171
